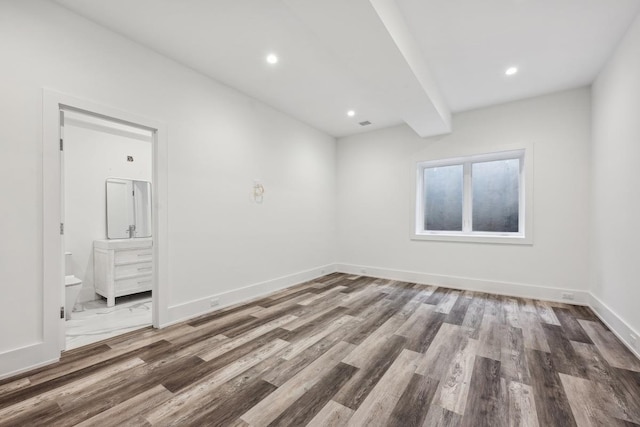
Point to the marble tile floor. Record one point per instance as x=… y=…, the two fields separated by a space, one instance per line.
x=96 y=322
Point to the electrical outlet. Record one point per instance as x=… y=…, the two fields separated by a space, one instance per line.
x=570 y=296
x=214 y=302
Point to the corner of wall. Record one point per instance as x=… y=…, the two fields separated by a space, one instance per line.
x=616 y=324
x=613 y=176
x=190 y=309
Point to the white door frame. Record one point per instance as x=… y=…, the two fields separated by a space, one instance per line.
x=53 y=253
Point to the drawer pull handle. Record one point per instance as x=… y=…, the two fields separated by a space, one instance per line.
x=144 y=269
x=143 y=282
x=145 y=254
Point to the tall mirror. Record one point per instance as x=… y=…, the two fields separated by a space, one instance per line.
x=128 y=208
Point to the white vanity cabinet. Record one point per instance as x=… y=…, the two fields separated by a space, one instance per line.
x=122 y=267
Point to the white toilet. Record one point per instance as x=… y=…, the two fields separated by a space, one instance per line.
x=72 y=286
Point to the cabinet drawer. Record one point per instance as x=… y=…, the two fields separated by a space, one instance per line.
x=133 y=255
x=134 y=284
x=130 y=270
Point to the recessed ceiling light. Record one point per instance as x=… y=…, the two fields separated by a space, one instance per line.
x=351 y=113
x=272 y=59
x=511 y=71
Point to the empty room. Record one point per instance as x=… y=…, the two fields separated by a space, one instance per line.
x=326 y=213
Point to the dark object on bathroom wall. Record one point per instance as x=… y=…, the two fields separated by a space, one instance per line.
x=129 y=158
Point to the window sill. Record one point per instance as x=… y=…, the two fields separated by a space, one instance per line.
x=470 y=238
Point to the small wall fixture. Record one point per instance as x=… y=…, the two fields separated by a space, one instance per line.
x=258 y=191
x=511 y=71
x=351 y=113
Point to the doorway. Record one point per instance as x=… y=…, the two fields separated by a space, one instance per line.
x=55 y=106
x=106 y=174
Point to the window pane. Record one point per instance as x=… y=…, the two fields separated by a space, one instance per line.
x=443 y=198
x=495 y=196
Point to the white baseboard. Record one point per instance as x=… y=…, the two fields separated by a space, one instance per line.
x=16 y=361
x=20 y=360
x=190 y=309
x=490 y=286
x=614 y=322
x=23 y=359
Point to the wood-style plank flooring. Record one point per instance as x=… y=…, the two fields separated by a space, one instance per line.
x=346 y=351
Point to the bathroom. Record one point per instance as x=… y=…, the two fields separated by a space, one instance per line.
x=107 y=230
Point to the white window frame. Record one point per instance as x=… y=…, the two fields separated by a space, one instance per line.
x=525 y=220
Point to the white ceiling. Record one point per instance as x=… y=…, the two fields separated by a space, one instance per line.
x=391 y=61
x=556 y=44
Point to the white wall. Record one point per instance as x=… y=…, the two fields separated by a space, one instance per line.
x=615 y=178
x=219 y=141
x=376 y=203
x=90 y=157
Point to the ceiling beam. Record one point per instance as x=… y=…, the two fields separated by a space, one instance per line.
x=422 y=122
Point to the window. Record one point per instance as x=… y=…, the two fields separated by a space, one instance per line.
x=474 y=198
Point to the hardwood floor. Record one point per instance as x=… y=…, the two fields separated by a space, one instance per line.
x=346 y=350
